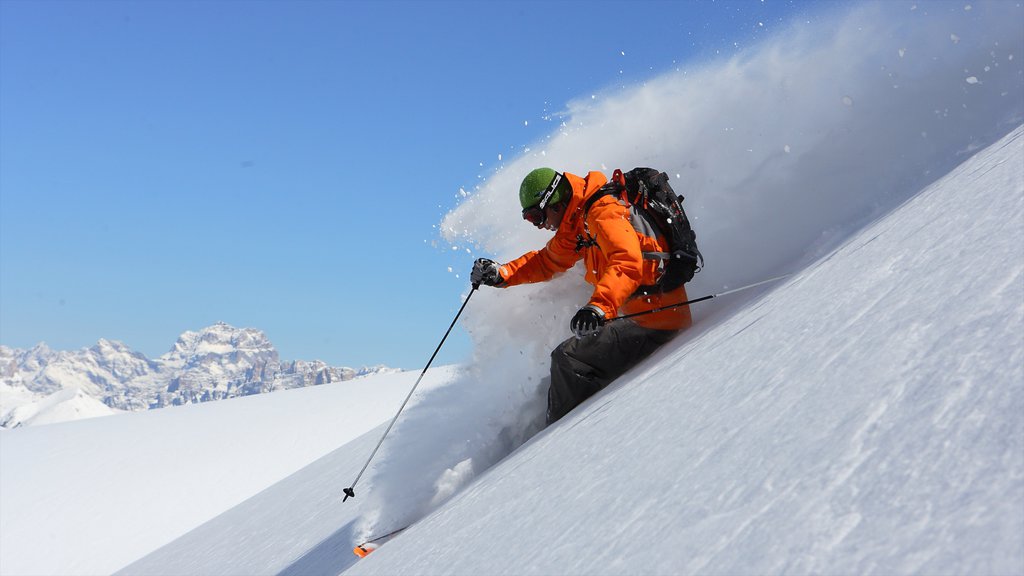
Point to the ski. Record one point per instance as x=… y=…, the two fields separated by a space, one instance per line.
x=363 y=550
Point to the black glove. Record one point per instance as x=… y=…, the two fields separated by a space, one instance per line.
x=485 y=272
x=587 y=321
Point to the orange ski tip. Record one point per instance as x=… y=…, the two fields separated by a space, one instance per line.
x=364 y=550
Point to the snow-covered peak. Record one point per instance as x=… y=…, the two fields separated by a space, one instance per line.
x=221 y=339
x=104 y=346
x=61 y=406
x=12 y=359
x=118 y=358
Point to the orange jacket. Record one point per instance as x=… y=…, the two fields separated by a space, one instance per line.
x=616 y=266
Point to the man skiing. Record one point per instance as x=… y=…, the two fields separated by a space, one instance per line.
x=616 y=244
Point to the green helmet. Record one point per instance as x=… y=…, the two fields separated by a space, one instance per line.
x=537 y=184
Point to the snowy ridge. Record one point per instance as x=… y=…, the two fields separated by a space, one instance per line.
x=40 y=385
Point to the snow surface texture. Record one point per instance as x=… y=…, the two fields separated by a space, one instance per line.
x=781 y=153
x=90 y=496
x=863 y=418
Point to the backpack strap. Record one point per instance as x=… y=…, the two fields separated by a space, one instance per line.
x=617 y=186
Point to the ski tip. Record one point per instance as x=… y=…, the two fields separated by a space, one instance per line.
x=363 y=550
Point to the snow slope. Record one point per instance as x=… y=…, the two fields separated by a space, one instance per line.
x=864 y=417
x=90 y=496
x=782 y=151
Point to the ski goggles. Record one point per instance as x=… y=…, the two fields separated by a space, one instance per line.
x=536 y=215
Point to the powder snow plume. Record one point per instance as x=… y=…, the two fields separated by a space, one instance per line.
x=782 y=151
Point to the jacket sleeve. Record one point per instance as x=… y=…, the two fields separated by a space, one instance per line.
x=558 y=255
x=609 y=223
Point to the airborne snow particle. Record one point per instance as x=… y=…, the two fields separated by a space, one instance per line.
x=972 y=80
x=847 y=101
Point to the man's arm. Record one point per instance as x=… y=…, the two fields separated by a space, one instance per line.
x=541 y=265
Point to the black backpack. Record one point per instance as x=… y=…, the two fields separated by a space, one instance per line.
x=649 y=191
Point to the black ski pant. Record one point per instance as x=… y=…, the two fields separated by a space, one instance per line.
x=580 y=367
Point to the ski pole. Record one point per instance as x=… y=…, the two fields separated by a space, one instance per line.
x=350 y=492
x=701 y=299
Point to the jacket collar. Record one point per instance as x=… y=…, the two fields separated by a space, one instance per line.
x=574 y=211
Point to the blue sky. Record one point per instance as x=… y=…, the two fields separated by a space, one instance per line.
x=284 y=165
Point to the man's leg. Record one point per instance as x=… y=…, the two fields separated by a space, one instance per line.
x=580 y=367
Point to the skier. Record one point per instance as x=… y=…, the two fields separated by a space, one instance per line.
x=613 y=242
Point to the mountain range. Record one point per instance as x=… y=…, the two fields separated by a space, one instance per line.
x=41 y=385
